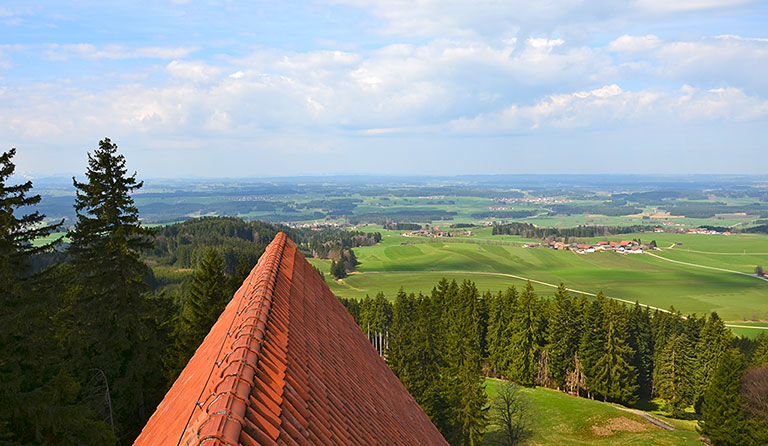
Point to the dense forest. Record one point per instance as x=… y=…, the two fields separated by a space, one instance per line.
x=442 y=344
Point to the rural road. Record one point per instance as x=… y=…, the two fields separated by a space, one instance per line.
x=706 y=267
x=651 y=419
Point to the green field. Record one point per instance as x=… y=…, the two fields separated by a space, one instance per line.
x=562 y=419
x=417 y=263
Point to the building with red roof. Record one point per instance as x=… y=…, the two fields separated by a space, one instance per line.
x=285 y=364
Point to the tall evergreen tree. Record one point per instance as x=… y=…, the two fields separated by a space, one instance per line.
x=402 y=342
x=676 y=374
x=527 y=337
x=592 y=343
x=429 y=386
x=722 y=420
x=613 y=375
x=714 y=340
x=640 y=339
x=39 y=398
x=208 y=296
x=563 y=333
x=462 y=325
x=501 y=312
x=108 y=323
x=664 y=326
x=760 y=357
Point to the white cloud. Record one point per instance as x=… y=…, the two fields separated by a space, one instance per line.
x=194 y=71
x=671 y=6
x=634 y=44
x=610 y=105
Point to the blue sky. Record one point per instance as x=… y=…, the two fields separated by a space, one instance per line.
x=263 y=88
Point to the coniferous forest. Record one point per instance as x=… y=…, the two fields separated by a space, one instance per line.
x=93 y=337
x=442 y=345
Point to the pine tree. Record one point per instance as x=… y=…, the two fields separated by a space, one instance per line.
x=676 y=374
x=760 y=357
x=613 y=376
x=721 y=417
x=592 y=343
x=563 y=332
x=526 y=337
x=462 y=327
x=664 y=326
x=108 y=322
x=640 y=339
x=208 y=296
x=501 y=312
x=401 y=340
x=429 y=386
x=39 y=397
x=714 y=340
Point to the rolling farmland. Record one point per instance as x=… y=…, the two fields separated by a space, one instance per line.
x=417 y=264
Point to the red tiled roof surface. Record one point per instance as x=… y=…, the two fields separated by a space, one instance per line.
x=285 y=364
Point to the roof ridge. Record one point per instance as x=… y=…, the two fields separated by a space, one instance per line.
x=227 y=402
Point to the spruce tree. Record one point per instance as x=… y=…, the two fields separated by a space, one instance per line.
x=640 y=339
x=714 y=340
x=108 y=322
x=209 y=294
x=722 y=420
x=468 y=402
x=613 y=375
x=401 y=340
x=563 y=332
x=592 y=343
x=526 y=337
x=501 y=312
x=760 y=357
x=39 y=401
x=676 y=374
x=429 y=386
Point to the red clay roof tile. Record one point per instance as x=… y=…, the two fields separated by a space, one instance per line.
x=285 y=364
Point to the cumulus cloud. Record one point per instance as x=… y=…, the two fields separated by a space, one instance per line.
x=611 y=105
x=728 y=59
x=194 y=71
x=634 y=44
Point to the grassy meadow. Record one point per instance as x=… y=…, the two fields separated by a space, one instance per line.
x=497 y=262
x=558 y=418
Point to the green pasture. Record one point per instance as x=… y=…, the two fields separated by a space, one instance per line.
x=418 y=266
x=50 y=238
x=562 y=419
x=748 y=329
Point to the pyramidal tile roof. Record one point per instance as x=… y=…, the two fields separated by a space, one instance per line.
x=285 y=364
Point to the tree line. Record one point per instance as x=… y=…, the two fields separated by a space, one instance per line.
x=528 y=230
x=441 y=345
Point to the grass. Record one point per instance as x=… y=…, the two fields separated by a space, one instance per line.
x=50 y=238
x=562 y=419
x=416 y=265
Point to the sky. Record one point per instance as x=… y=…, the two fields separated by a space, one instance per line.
x=229 y=88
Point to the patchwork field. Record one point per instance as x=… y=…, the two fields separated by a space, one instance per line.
x=557 y=418
x=496 y=262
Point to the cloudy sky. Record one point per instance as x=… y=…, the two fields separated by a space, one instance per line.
x=206 y=88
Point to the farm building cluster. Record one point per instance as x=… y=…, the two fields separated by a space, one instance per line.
x=623 y=247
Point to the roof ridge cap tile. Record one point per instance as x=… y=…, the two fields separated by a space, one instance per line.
x=227 y=408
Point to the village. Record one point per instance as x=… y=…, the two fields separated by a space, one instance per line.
x=623 y=247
